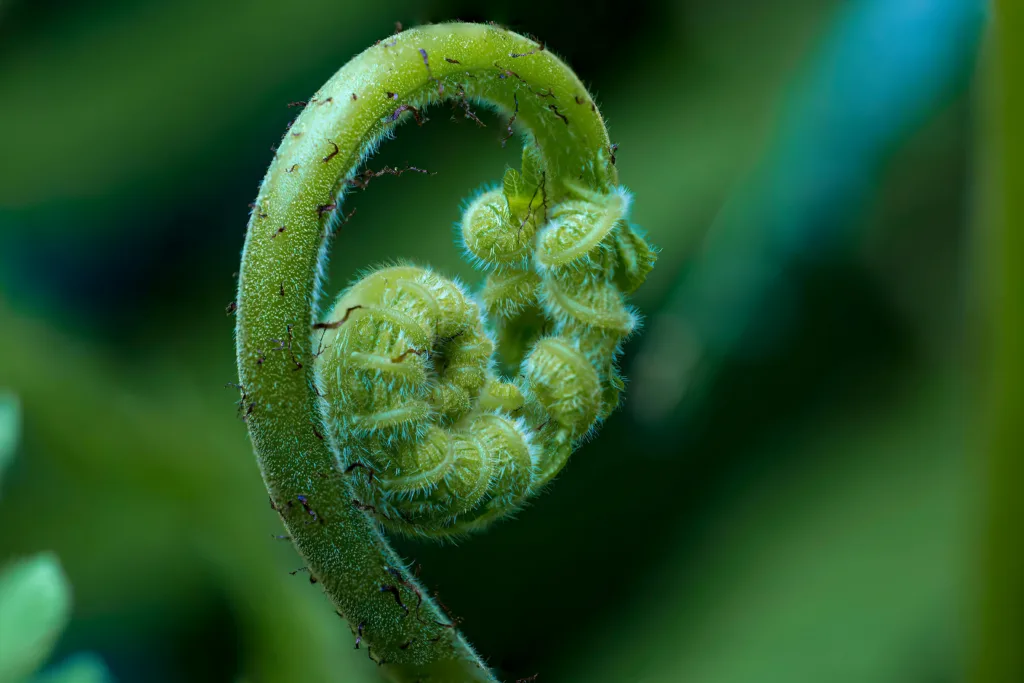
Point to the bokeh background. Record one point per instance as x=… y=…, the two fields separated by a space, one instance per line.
x=796 y=489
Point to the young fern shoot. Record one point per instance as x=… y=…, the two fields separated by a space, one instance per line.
x=391 y=411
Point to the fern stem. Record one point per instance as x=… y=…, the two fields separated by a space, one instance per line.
x=279 y=297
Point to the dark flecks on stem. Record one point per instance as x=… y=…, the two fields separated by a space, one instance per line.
x=512 y=119
x=348 y=216
x=369 y=470
x=291 y=349
x=463 y=102
x=505 y=73
x=420 y=120
x=544 y=203
x=447 y=612
x=286 y=345
x=363 y=179
x=337 y=323
x=363 y=507
x=280 y=509
x=244 y=405
x=359 y=632
x=304 y=502
x=405 y=354
x=516 y=55
x=387 y=588
x=332 y=154
x=430 y=74
x=319 y=350
x=312 y=579
x=540 y=47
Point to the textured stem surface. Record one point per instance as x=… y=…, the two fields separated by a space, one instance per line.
x=279 y=290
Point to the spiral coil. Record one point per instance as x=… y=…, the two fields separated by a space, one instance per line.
x=439 y=443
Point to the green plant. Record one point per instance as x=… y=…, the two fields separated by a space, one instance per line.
x=390 y=411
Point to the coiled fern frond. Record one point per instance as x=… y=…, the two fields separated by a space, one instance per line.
x=413 y=404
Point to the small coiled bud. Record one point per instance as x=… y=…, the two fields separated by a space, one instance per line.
x=510 y=292
x=570 y=300
x=512 y=455
x=493 y=236
x=406 y=378
x=579 y=229
x=565 y=384
x=635 y=258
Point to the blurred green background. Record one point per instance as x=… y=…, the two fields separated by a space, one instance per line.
x=794 y=489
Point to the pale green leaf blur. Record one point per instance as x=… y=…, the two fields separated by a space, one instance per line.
x=10 y=419
x=81 y=668
x=35 y=605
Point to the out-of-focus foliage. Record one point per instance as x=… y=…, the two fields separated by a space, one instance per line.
x=999 y=619
x=35 y=604
x=804 y=549
x=35 y=598
x=809 y=513
x=804 y=198
x=10 y=419
x=81 y=668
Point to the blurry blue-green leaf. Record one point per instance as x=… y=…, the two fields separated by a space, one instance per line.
x=9 y=427
x=882 y=70
x=81 y=668
x=35 y=604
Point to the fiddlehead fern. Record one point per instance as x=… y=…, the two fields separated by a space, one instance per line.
x=391 y=409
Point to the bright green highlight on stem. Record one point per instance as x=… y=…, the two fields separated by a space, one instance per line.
x=392 y=410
